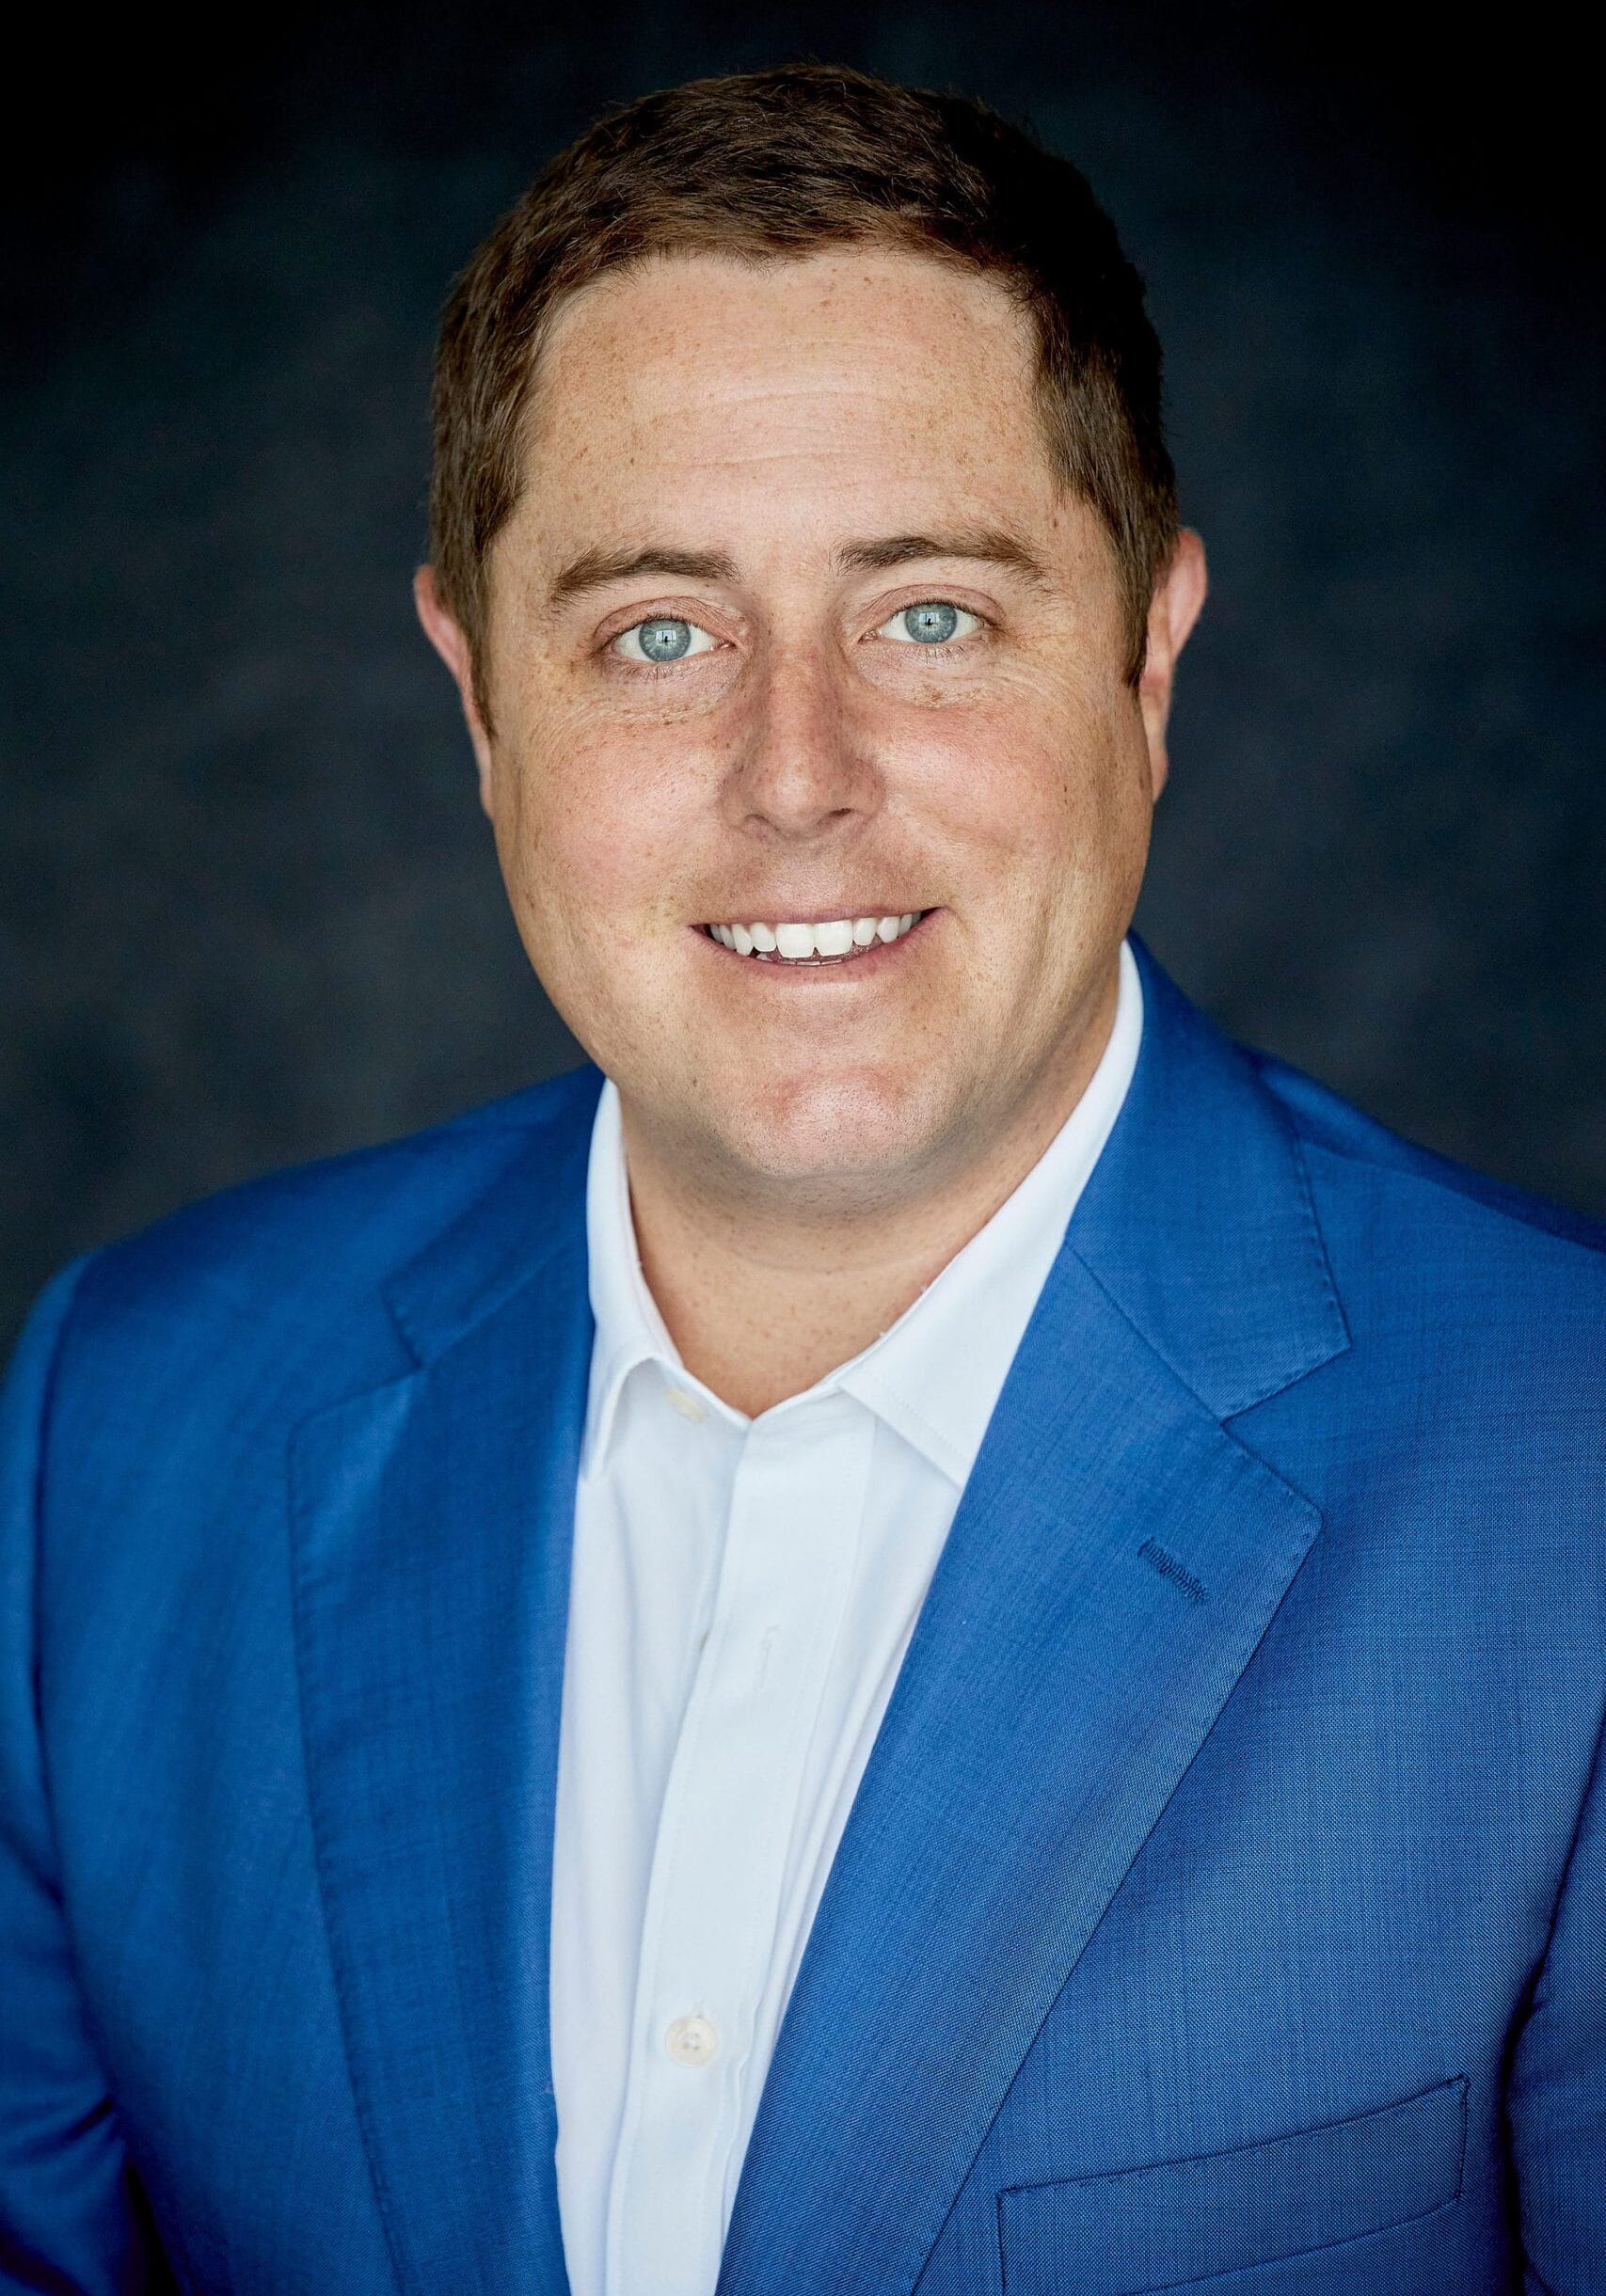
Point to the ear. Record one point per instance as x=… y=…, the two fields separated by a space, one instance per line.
x=1174 y=608
x=446 y=637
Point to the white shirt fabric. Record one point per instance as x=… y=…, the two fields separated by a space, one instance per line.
x=743 y=1594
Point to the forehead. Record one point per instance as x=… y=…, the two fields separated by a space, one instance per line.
x=813 y=387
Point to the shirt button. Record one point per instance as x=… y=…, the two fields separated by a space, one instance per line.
x=687 y=1405
x=692 y=2041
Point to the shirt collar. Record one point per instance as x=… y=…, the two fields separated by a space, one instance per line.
x=630 y=1328
x=935 y=1376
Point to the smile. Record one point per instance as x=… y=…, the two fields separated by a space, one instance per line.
x=837 y=941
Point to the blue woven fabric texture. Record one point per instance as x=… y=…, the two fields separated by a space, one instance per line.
x=1224 y=1906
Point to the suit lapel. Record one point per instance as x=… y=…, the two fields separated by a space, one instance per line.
x=1114 y=1563
x=432 y=1533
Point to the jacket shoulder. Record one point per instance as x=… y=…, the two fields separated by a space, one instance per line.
x=263 y=1274
x=1460 y=1432
x=1453 y=1286
x=1383 y=1164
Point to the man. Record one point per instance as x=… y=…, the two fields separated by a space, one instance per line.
x=947 y=1635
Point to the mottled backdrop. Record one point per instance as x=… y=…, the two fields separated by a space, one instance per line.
x=250 y=909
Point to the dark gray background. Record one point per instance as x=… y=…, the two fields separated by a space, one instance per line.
x=250 y=912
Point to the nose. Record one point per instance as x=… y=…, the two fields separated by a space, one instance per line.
x=804 y=766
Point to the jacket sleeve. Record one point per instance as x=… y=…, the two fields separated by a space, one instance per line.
x=1557 y=2096
x=71 y=2218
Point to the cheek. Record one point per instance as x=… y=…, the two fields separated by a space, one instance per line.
x=1043 y=794
x=591 y=844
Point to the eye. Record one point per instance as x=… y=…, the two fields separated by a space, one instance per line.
x=932 y=622
x=664 y=638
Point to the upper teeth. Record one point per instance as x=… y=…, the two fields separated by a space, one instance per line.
x=832 y=939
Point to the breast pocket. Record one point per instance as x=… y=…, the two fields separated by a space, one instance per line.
x=1144 y=2229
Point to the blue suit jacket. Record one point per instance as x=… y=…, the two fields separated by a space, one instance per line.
x=1224 y=1906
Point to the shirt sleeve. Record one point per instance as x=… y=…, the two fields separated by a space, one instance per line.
x=72 y=2220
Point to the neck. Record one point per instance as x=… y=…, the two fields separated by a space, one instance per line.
x=761 y=1305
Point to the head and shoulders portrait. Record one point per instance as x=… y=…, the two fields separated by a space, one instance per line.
x=924 y=1627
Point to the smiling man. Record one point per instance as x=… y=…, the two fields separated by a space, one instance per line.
x=821 y=733
x=927 y=1628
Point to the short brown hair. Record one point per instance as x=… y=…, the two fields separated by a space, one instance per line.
x=763 y=165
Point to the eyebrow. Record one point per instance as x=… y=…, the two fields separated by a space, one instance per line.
x=992 y=546
x=596 y=569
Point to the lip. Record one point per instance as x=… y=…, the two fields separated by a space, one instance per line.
x=865 y=965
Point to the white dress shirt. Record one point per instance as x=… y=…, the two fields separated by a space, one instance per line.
x=743 y=1591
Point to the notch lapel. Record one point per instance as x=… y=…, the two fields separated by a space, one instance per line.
x=432 y=1529
x=1115 y=1561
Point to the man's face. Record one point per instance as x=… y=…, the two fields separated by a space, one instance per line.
x=792 y=625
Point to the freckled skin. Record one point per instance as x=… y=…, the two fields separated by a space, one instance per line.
x=815 y=1150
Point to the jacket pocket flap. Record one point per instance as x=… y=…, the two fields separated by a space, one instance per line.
x=1142 y=2229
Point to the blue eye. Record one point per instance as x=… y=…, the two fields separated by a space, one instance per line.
x=664 y=638
x=932 y=622
x=931 y=625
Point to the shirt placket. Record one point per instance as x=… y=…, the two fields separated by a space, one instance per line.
x=728 y=1818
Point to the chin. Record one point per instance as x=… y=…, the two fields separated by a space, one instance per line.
x=827 y=1128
